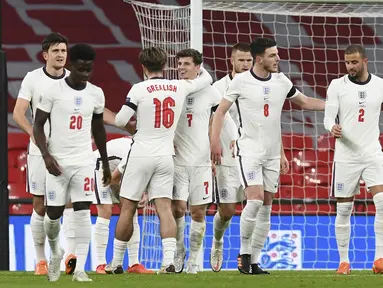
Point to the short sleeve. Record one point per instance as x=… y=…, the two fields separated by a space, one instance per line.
x=26 y=88
x=233 y=90
x=133 y=97
x=215 y=97
x=100 y=102
x=46 y=101
x=292 y=91
x=121 y=166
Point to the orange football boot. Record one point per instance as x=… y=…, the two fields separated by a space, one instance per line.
x=377 y=268
x=344 y=268
x=41 y=268
x=70 y=264
x=139 y=269
x=101 y=269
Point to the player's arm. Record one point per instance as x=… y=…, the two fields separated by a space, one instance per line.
x=331 y=112
x=284 y=161
x=129 y=108
x=202 y=81
x=308 y=103
x=110 y=119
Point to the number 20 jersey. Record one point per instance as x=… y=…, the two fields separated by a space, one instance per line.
x=158 y=103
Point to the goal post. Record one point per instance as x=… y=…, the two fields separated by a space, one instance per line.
x=311 y=38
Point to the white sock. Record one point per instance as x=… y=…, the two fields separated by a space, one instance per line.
x=39 y=235
x=119 y=248
x=219 y=226
x=197 y=232
x=247 y=224
x=169 y=250
x=180 y=233
x=262 y=228
x=83 y=230
x=101 y=236
x=343 y=229
x=52 y=229
x=134 y=242
x=69 y=231
x=378 y=225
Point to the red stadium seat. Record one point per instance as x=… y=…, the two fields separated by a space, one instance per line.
x=317 y=176
x=16 y=175
x=18 y=190
x=22 y=159
x=297 y=141
x=18 y=141
x=325 y=142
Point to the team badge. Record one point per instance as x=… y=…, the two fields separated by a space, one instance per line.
x=362 y=95
x=251 y=175
x=190 y=101
x=105 y=194
x=266 y=90
x=34 y=186
x=51 y=195
x=339 y=187
x=77 y=101
x=224 y=193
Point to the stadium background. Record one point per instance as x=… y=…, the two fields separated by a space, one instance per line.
x=306 y=239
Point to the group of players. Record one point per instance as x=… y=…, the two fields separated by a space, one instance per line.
x=185 y=143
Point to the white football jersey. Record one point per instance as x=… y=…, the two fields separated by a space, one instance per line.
x=32 y=87
x=227 y=160
x=358 y=107
x=71 y=112
x=117 y=150
x=259 y=102
x=158 y=103
x=192 y=134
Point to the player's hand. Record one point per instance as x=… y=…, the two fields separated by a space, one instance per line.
x=232 y=148
x=143 y=201
x=52 y=165
x=107 y=176
x=336 y=131
x=216 y=152
x=284 y=165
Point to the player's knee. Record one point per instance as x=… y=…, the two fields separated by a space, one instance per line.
x=254 y=192
x=226 y=212
x=179 y=209
x=105 y=211
x=38 y=205
x=55 y=212
x=198 y=213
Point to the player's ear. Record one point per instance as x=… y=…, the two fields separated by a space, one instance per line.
x=45 y=55
x=232 y=60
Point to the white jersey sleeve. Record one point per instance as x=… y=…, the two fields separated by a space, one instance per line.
x=233 y=90
x=46 y=101
x=201 y=82
x=293 y=92
x=129 y=108
x=99 y=102
x=26 y=89
x=331 y=105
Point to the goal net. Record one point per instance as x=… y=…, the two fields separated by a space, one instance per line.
x=311 y=40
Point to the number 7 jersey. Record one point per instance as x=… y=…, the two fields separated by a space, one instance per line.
x=358 y=107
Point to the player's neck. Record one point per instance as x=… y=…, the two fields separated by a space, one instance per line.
x=363 y=78
x=54 y=72
x=154 y=75
x=260 y=72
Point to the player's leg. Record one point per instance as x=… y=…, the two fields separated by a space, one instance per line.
x=200 y=195
x=252 y=179
x=373 y=176
x=160 y=189
x=134 y=180
x=81 y=189
x=104 y=204
x=228 y=192
x=36 y=186
x=345 y=184
x=179 y=206
x=56 y=197
x=70 y=239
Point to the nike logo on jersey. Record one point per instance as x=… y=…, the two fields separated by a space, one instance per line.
x=204 y=198
x=88 y=194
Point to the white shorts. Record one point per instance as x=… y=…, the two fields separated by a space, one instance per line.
x=75 y=184
x=152 y=174
x=103 y=194
x=227 y=186
x=259 y=172
x=36 y=172
x=346 y=176
x=194 y=184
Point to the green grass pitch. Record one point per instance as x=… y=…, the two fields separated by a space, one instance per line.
x=232 y=279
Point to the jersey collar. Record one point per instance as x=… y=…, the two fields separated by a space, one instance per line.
x=54 y=77
x=360 y=83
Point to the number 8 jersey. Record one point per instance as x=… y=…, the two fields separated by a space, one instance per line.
x=358 y=107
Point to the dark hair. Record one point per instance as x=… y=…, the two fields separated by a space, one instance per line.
x=355 y=48
x=259 y=45
x=193 y=53
x=81 y=52
x=153 y=58
x=52 y=39
x=244 y=47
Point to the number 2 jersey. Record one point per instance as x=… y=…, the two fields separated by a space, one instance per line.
x=71 y=112
x=358 y=107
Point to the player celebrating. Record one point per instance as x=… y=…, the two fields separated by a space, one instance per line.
x=158 y=103
x=356 y=99
x=74 y=108
x=228 y=185
x=259 y=144
x=117 y=150
x=54 y=47
x=192 y=170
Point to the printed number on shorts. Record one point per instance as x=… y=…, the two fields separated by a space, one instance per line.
x=163 y=113
x=206 y=184
x=88 y=184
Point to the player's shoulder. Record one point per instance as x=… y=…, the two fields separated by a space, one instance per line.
x=375 y=78
x=338 y=82
x=280 y=77
x=34 y=74
x=56 y=87
x=223 y=80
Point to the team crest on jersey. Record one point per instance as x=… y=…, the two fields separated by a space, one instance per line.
x=251 y=175
x=190 y=101
x=362 y=95
x=34 y=185
x=51 y=195
x=104 y=194
x=224 y=193
x=77 y=101
x=266 y=90
x=339 y=187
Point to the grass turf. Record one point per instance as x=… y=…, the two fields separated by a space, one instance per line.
x=232 y=279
